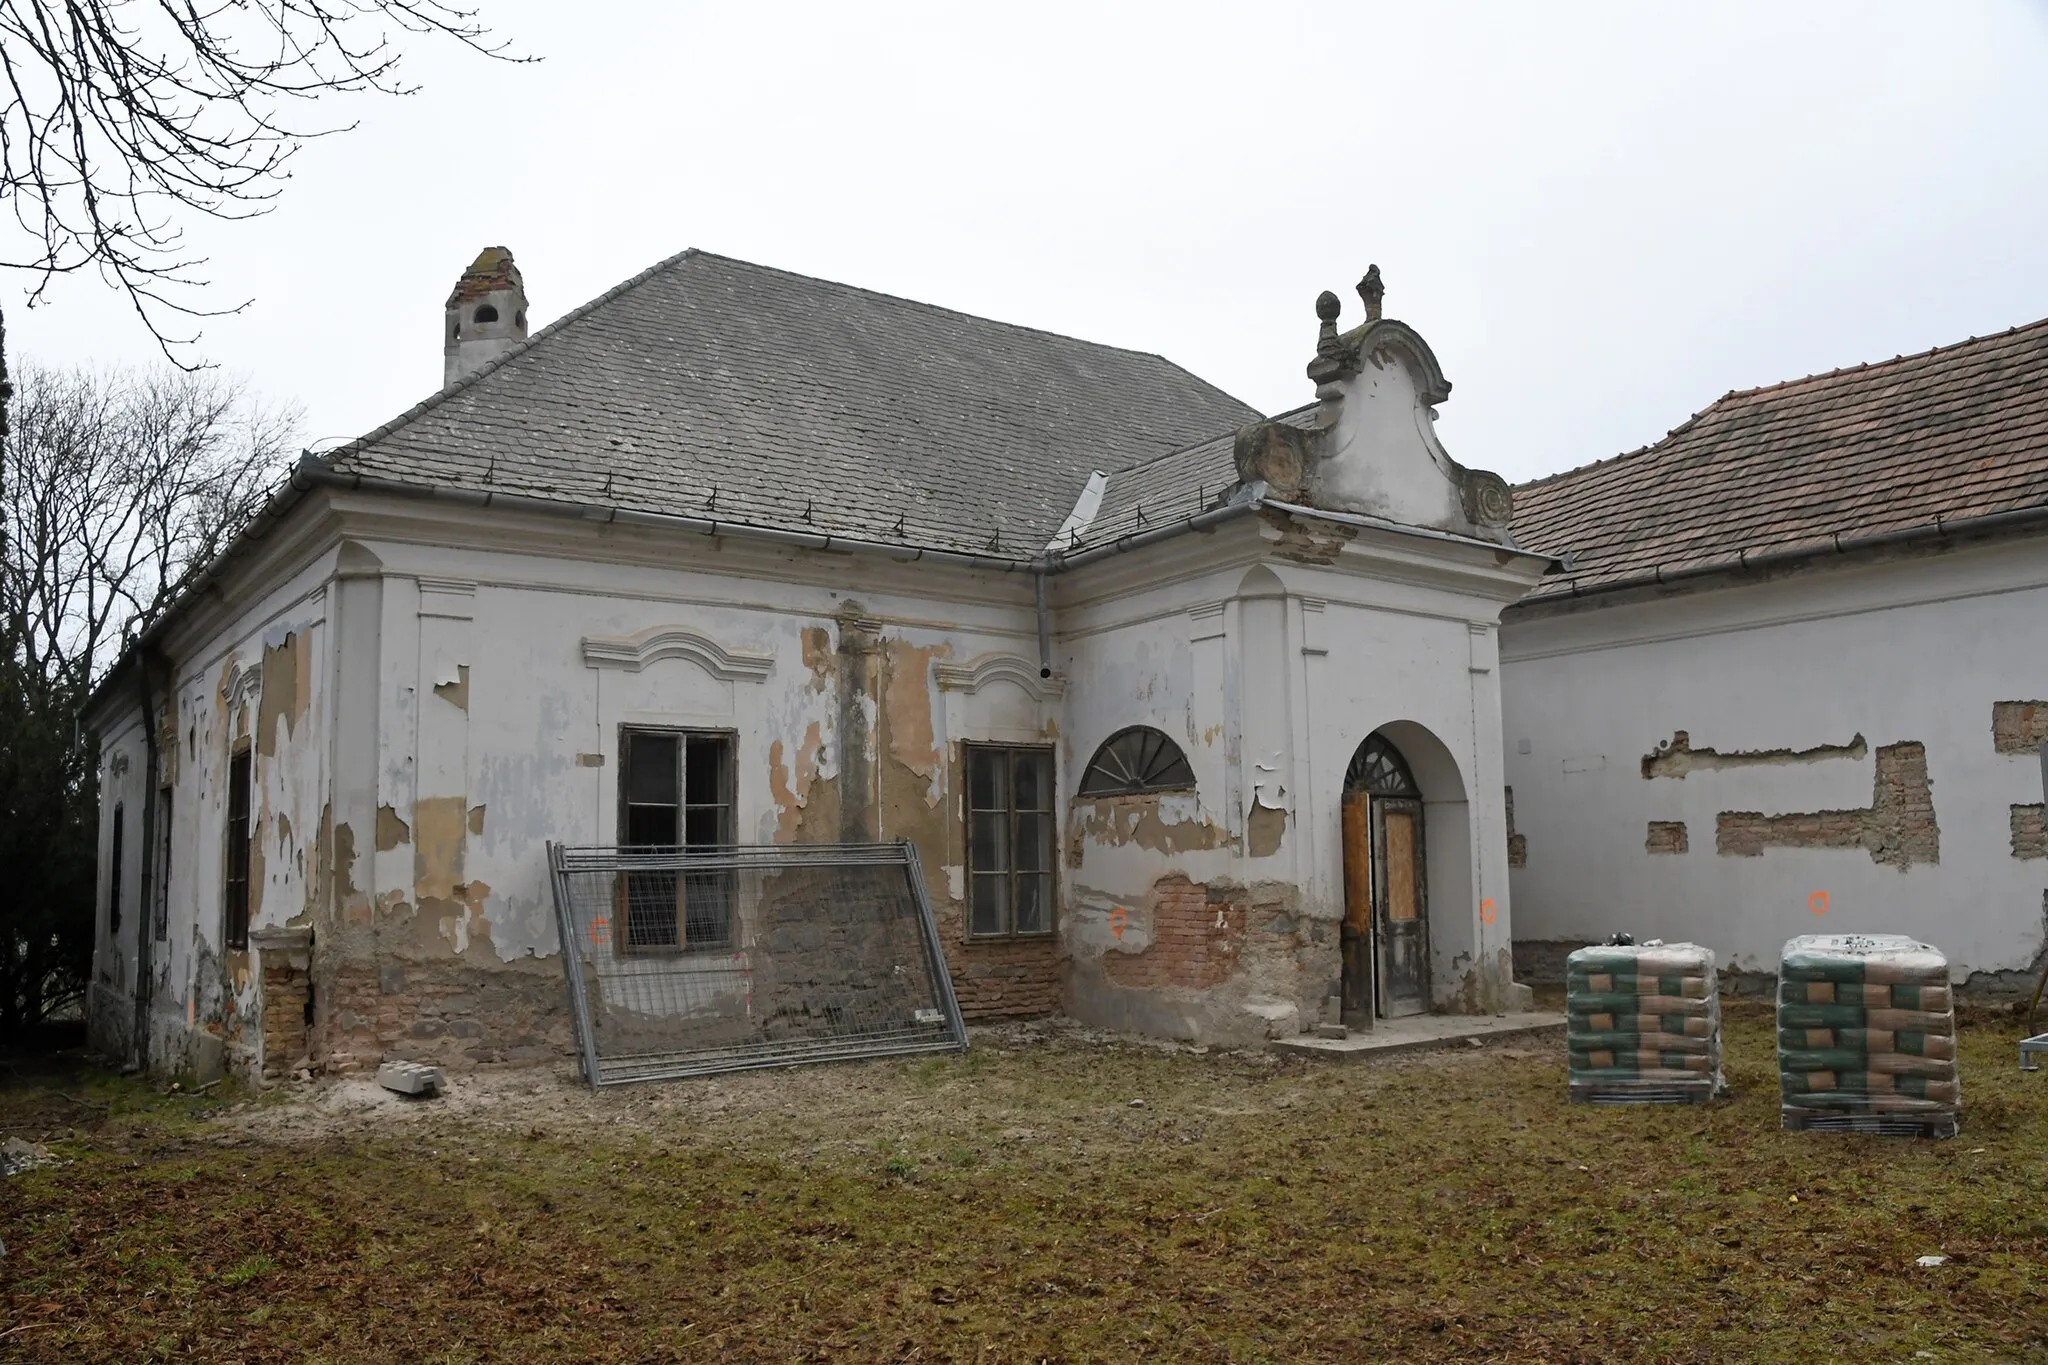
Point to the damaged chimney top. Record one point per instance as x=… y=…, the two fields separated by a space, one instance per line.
x=486 y=315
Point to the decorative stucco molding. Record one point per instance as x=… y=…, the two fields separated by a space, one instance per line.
x=635 y=652
x=978 y=673
x=243 y=684
x=453 y=598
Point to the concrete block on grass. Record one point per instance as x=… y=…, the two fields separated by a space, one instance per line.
x=410 y=1078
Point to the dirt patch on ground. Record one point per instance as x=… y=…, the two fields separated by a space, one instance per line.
x=553 y=1100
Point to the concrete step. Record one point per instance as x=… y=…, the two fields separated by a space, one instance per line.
x=1420 y=1032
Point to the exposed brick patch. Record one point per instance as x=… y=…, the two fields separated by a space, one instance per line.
x=287 y=1000
x=1310 y=542
x=1675 y=757
x=1665 y=836
x=1898 y=828
x=447 y=1014
x=1004 y=978
x=2019 y=727
x=1196 y=937
x=1518 y=844
x=2029 y=837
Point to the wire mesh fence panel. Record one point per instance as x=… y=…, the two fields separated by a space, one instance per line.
x=688 y=961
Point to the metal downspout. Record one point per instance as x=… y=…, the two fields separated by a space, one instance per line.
x=1044 y=625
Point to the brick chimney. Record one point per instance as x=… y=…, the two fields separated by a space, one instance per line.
x=486 y=315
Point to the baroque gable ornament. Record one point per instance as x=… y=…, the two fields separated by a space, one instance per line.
x=1381 y=459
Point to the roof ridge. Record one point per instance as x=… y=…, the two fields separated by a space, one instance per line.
x=491 y=366
x=923 y=306
x=1862 y=367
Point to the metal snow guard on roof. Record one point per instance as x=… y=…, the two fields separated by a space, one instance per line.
x=692 y=961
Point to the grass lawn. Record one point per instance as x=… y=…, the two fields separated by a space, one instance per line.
x=1018 y=1203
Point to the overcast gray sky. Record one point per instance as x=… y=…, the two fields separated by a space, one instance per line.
x=1602 y=216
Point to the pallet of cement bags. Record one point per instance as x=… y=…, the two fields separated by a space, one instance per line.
x=1643 y=1024
x=1867 y=1037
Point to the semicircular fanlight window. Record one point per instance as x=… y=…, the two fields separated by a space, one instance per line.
x=1379 y=770
x=1131 y=762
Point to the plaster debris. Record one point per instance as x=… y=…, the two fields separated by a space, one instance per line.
x=17 y=1156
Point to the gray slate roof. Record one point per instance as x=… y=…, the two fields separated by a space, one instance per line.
x=1167 y=488
x=709 y=386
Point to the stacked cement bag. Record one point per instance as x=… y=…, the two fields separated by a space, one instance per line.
x=1867 y=1036
x=1643 y=1024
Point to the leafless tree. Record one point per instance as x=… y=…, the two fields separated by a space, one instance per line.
x=113 y=486
x=121 y=118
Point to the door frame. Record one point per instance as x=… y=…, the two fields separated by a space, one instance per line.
x=1378 y=779
x=1378 y=807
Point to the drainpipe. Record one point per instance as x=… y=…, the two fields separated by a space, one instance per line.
x=1045 y=630
x=145 y=909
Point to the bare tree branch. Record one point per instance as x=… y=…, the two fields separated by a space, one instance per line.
x=115 y=486
x=119 y=118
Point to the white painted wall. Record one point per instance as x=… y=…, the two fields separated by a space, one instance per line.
x=1917 y=648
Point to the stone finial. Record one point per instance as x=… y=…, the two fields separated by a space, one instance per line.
x=1373 y=291
x=1328 y=306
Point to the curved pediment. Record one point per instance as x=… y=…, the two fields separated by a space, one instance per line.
x=635 y=652
x=243 y=684
x=978 y=673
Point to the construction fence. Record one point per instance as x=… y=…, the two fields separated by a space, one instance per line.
x=691 y=961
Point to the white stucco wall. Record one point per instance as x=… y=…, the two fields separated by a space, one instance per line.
x=433 y=695
x=1270 y=669
x=202 y=994
x=1916 y=649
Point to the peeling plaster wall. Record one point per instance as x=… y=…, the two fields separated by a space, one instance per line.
x=1806 y=686
x=441 y=693
x=255 y=677
x=497 y=729
x=1270 y=675
x=110 y=990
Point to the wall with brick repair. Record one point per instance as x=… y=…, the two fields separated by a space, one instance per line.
x=432 y=695
x=1214 y=914
x=1853 y=739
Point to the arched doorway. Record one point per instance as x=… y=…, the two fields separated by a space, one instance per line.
x=1385 y=939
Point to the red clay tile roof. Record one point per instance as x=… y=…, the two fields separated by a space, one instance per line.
x=1960 y=431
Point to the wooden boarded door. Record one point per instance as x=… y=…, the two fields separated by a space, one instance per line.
x=1400 y=906
x=1357 y=936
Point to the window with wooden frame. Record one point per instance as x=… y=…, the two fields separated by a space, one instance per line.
x=1009 y=840
x=235 y=879
x=675 y=791
x=114 y=879
x=1135 y=761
